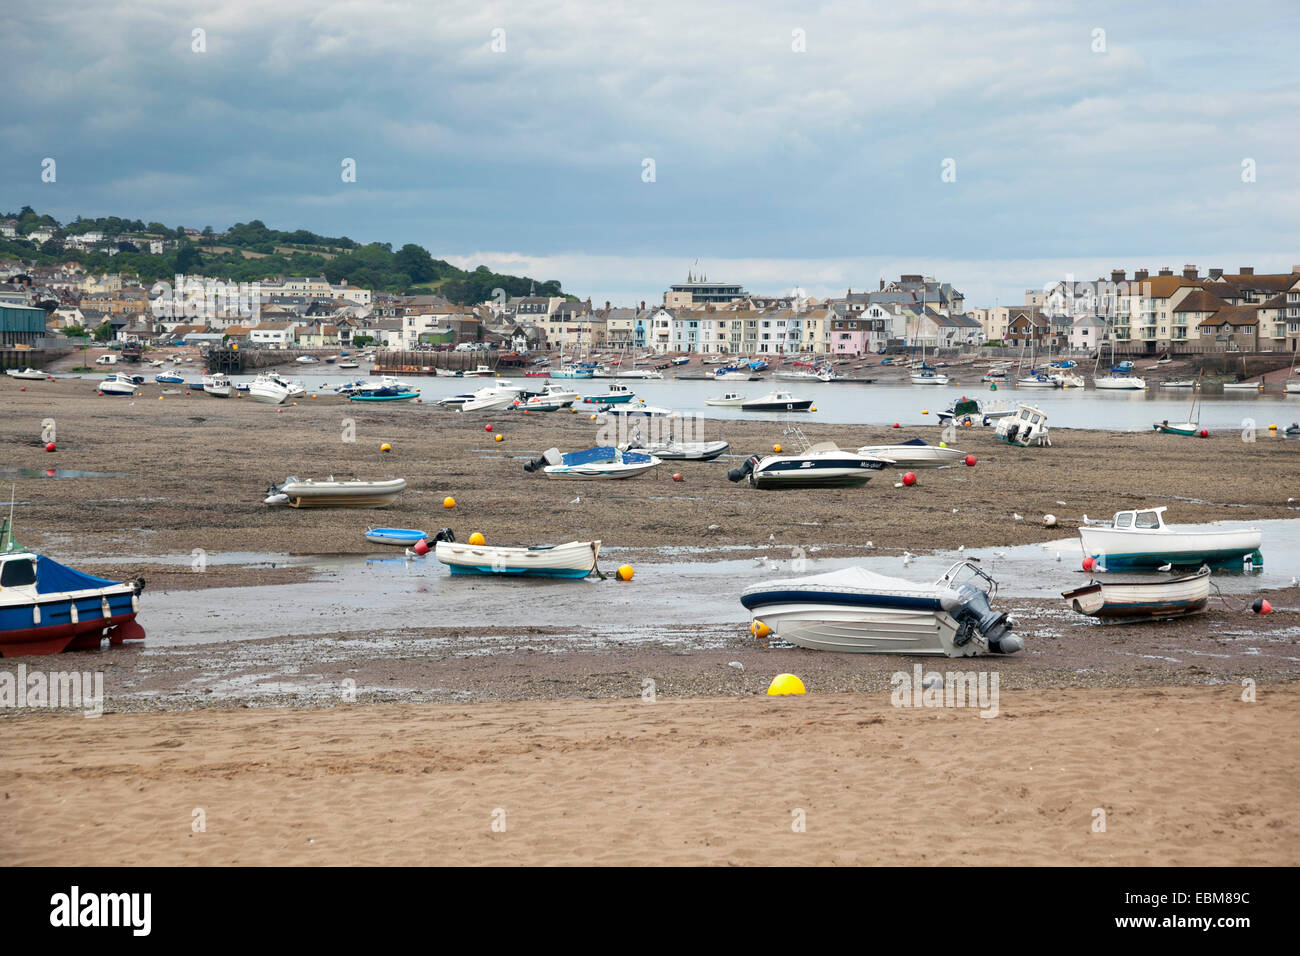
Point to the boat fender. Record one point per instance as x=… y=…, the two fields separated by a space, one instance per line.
x=745 y=470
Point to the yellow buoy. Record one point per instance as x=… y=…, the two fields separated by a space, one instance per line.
x=759 y=629
x=785 y=684
x=593 y=418
x=943 y=444
x=1272 y=428
x=160 y=398
x=777 y=449
x=385 y=447
x=625 y=572
x=449 y=502
x=500 y=438
x=925 y=411
x=477 y=538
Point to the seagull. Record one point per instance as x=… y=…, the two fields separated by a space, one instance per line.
x=961 y=548
x=907 y=558
x=870 y=545
x=1165 y=567
x=999 y=554
x=772 y=538
x=1017 y=517
x=954 y=510
x=576 y=500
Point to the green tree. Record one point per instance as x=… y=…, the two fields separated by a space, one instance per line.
x=104 y=331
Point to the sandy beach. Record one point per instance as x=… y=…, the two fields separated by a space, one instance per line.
x=449 y=722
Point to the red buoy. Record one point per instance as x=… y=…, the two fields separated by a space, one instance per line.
x=677 y=476
x=1205 y=433
x=1089 y=564
x=970 y=461
x=421 y=547
x=909 y=479
x=1261 y=606
x=896 y=425
x=49 y=446
x=487 y=428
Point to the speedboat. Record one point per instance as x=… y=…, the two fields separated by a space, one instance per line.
x=356 y=493
x=679 y=450
x=168 y=378
x=816 y=466
x=574 y=559
x=119 y=384
x=729 y=400
x=864 y=612
x=915 y=454
x=1141 y=539
x=777 y=401
x=218 y=386
x=269 y=389
x=535 y=403
x=494 y=398
x=602 y=462
x=348 y=363
x=1142 y=600
x=1028 y=426
x=47 y=607
x=26 y=372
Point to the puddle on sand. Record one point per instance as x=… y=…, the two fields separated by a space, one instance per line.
x=57 y=473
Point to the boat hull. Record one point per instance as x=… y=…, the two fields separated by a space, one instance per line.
x=793 y=406
x=59 y=618
x=1187 y=429
x=575 y=559
x=1117 y=550
x=1142 y=601
x=915 y=456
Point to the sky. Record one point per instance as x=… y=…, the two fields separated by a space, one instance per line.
x=610 y=145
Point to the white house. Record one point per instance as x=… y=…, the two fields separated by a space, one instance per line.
x=1087 y=333
x=276 y=334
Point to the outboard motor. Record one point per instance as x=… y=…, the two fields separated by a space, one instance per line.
x=551 y=456
x=423 y=546
x=969 y=606
x=745 y=470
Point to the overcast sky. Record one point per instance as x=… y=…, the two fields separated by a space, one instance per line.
x=1073 y=151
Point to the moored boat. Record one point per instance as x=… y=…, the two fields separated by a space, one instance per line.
x=355 y=493
x=915 y=454
x=573 y=559
x=26 y=373
x=861 y=611
x=1140 y=539
x=776 y=401
x=218 y=386
x=401 y=537
x=1142 y=600
x=602 y=462
x=119 y=384
x=728 y=400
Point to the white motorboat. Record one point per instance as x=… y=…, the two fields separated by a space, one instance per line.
x=799 y=375
x=355 y=493
x=1141 y=539
x=672 y=449
x=639 y=410
x=822 y=465
x=307 y=360
x=1027 y=427
x=729 y=400
x=119 y=384
x=349 y=363
x=928 y=376
x=269 y=389
x=1243 y=386
x=558 y=394
x=642 y=373
x=27 y=373
x=864 y=612
x=604 y=462
x=497 y=397
x=776 y=401
x=1121 y=601
x=573 y=559
x=915 y=454
x=218 y=386
x=1120 y=383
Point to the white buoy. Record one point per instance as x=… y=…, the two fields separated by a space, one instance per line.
x=1049 y=521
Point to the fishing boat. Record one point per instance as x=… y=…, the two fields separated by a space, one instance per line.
x=399 y=537
x=1028 y=426
x=603 y=462
x=26 y=373
x=824 y=465
x=915 y=454
x=384 y=393
x=218 y=386
x=728 y=400
x=356 y=493
x=574 y=559
x=119 y=384
x=776 y=401
x=1119 y=601
x=1141 y=539
x=47 y=607
x=859 y=611
x=269 y=389
x=616 y=395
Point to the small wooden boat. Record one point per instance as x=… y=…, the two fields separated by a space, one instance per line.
x=297 y=493
x=400 y=537
x=1142 y=600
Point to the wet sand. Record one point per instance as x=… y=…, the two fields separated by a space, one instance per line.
x=1188 y=776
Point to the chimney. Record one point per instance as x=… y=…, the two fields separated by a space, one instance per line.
x=643 y=305
x=1247 y=270
x=1140 y=275
x=1189 y=272
x=882 y=285
x=1166 y=271
x=1116 y=275
x=607 y=305
x=1216 y=273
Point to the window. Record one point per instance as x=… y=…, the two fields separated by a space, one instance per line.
x=1125 y=520
x=1147 y=519
x=18 y=573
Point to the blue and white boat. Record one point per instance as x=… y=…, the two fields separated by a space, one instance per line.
x=573 y=371
x=401 y=537
x=384 y=393
x=603 y=462
x=47 y=607
x=864 y=612
x=1141 y=539
x=168 y=378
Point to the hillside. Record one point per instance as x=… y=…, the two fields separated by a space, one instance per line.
x=250 y=251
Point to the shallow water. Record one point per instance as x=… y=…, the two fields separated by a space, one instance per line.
x=57 y=473
x=386 y=592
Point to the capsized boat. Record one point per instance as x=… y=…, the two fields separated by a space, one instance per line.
x=47 y=607
x=573 y=559
x=1142 y=600
x=329 y=493
x=603 y=462
x=26 y=372
x=864 y=612
x=1141 y=539
x=915 y=454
